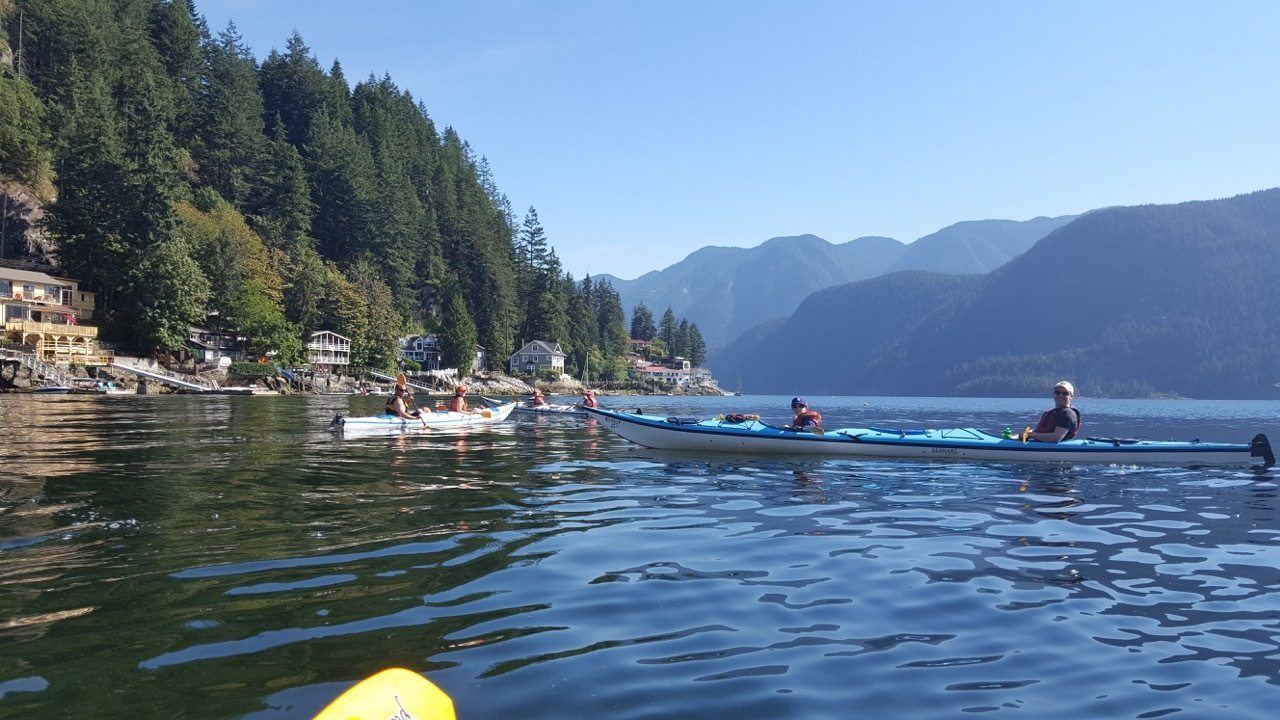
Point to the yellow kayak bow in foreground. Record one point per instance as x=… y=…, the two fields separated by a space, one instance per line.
x=395 y=694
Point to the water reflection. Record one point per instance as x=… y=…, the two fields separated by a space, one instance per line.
x=228 y=558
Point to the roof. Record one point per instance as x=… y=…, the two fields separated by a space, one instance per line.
x=330 y=332
x=31 y=276
x=540 y=346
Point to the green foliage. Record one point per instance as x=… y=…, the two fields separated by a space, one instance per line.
x=457 y=334
x=548 y=375
x=642 y=327
x=412 y=365
x=168 y=294
x=23 y=153
x=250 y=370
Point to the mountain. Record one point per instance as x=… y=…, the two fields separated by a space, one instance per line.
x=976 y=246
x=727 y=290
x=1133 y=301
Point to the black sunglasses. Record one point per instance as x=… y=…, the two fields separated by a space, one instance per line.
x=1061 y=392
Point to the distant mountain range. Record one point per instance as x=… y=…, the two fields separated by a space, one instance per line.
x=728 y=290
x=1129 y=301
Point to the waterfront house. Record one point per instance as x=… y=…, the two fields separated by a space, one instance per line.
x=422 y=349
x=327 y=350
x=537 y=355
x=212 y=346
x=425 y=350
x=47 y=314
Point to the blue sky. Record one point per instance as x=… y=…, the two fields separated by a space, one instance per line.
x=642 y=131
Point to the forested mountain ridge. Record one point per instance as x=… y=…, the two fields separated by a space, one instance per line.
x=976 y=246
x=1127 y=301
x=194 y=183
x=728 y=290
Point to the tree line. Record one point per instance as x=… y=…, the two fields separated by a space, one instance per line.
x=669 y=339
x=195 y=184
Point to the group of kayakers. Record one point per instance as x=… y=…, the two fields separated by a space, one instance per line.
x=540 y=400
x=1061 y=422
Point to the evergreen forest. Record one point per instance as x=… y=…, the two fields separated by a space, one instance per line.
x=186 y=182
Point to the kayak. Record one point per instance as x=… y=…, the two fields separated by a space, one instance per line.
x=430 y=421
x=549 y=409
x=753 y=436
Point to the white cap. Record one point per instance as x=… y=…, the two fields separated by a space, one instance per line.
x=1064 y=384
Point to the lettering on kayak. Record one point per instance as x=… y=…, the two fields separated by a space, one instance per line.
x=945 y=451
x=613 y=423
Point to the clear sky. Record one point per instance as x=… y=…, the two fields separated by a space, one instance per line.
x=643 y=130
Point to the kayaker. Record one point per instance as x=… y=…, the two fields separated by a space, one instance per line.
x=396 y=404
x=538 y=400
x=459 y=401
x=589 y=399
x=804 y=417
x=1060 y=423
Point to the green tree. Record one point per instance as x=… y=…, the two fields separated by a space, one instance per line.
x=229 y=139
x=667 y=332
x=177 y=33
x=294 y=90
x=457 y=334
x=697 y=346
x=642 y=323
x=340 y=169
x=23 y=153
x=167 y=294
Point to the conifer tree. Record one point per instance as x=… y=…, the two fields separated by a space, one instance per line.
x=667 y=331
x=457 y=333
x=294 y=90
x=229 y=139
x=642 y=323
x=697 y=346
x=177 y=33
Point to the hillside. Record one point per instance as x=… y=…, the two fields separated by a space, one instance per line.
x=976 y=246
x=727 y=290
x=1137 y=301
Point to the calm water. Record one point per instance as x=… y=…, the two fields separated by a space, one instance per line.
x=225 y=558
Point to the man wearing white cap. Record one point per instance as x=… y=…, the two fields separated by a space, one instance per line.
x=1060 y=423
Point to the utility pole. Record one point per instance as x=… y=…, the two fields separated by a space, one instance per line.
x=4 y=223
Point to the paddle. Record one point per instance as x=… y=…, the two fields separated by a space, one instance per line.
x=394 y=693
x=403 y=381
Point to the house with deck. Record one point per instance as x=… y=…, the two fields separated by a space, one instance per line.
x=425 y=350
x=329 y=351
x=535 y=356
x=47 y=313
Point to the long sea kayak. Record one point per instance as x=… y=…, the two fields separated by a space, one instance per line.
x=430 y=421
x=753 y=436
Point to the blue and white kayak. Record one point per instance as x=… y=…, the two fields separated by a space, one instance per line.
x=430 y=421
x=549 y=409
x=754 y=436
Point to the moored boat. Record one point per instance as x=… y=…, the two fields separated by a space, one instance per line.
x=753 y=436
x=430 y=421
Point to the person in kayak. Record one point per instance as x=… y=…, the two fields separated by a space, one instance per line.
x=538 y=400
x=398 y=404
x=1060 y=423
x=804 y=416
x=589 y=399
x=459 y=401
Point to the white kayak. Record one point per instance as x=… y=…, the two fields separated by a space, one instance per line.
x=550 y=409
x=753 y=436
x=429 y=422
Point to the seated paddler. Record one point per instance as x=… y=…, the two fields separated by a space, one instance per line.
x=399 y=402
x=805 y=417
x=1061 y=422
x=538 y=399
x=589 y=398
x=459 y=401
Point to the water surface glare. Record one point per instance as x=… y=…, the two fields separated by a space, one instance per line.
x=224 y=557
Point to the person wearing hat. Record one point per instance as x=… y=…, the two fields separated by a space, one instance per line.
x=589 y=398
x=1062 y=422
x=396 y=404
x=459 y=401
x=538 y=400
x=804 y=416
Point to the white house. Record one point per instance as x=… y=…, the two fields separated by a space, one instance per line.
x=328 y=350
x=537 y=355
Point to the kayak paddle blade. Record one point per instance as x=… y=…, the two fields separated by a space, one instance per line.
x=393 y=693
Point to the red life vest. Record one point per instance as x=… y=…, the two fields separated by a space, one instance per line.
x=458 y=404
x=807 y=418
x=1047 y=424
x=589 y=401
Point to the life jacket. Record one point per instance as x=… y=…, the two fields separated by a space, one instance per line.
x=458 y=404
x=1047 y=424
x=589 y=401
x=808 y=418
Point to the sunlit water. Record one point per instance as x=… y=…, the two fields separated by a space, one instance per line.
x=225 y=557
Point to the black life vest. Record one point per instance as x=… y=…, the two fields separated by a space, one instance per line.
x=1047 y=424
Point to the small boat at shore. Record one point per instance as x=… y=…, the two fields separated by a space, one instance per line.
x=52 y=390
x=429 y=422
x=753 y=436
